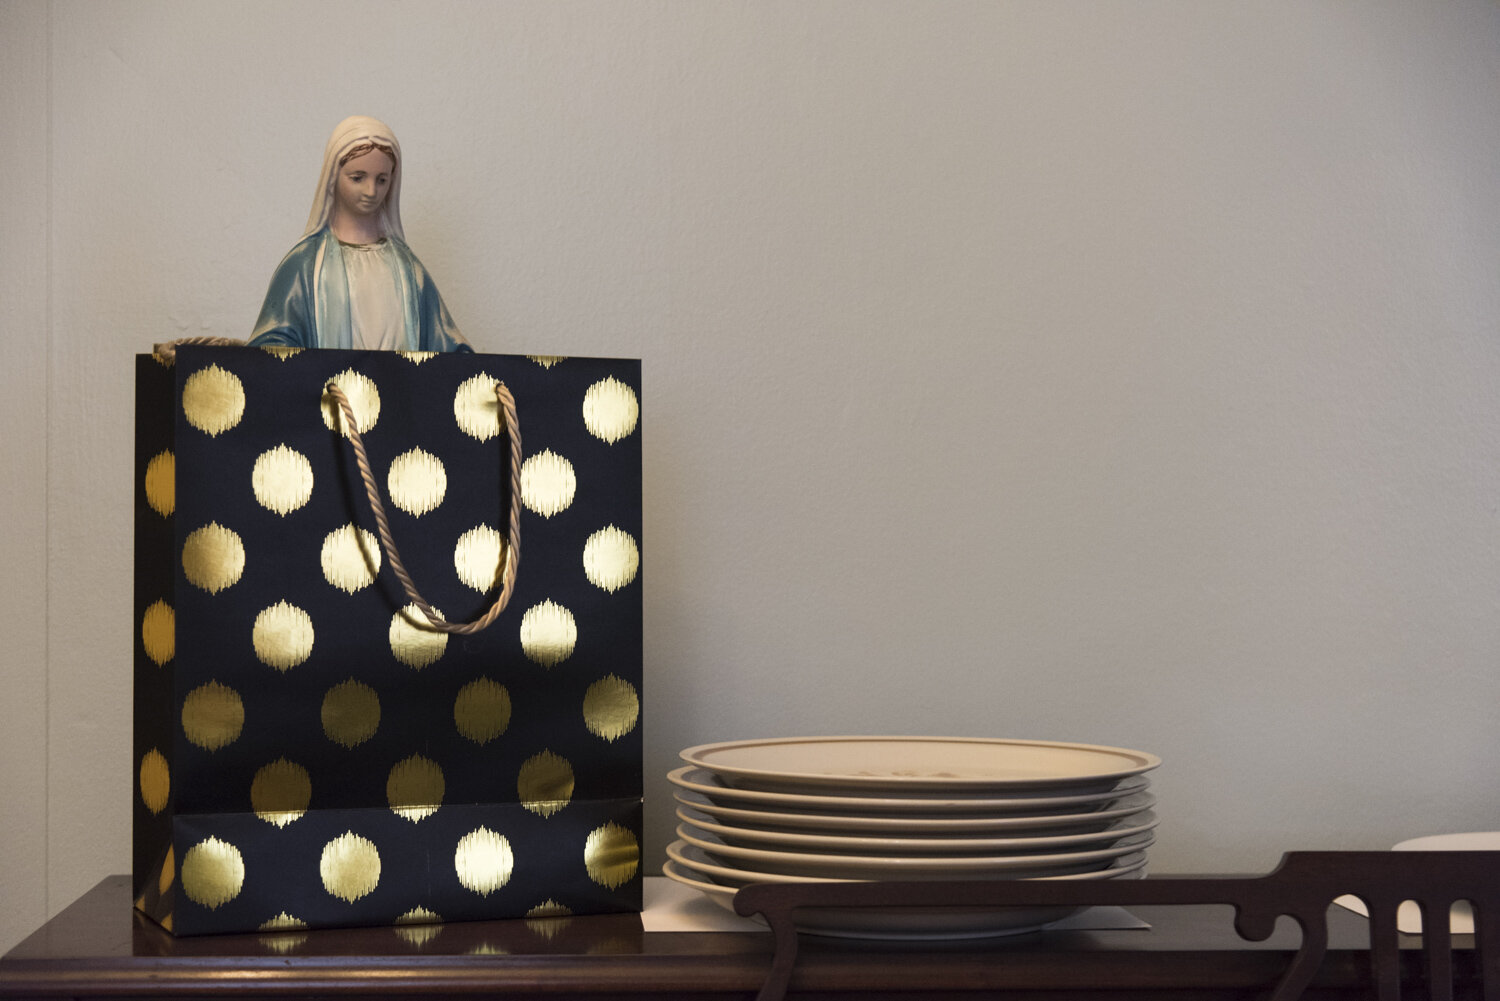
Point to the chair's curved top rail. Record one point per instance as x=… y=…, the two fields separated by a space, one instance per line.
x=1301 y=887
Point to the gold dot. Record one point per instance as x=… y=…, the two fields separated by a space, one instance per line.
x=418 y=926
x=479 y=558
x=611 y=855
x=282 y=928
x=488 y=949
x=415 y=643
x=161 y=484
x=417 y=357
x=610 y=410
x=475 y=408
x=548 y=633
x=213 y=557
x=156 y=781
x=419 y=916
x=547 y=361
x=213 y=872
x=351 y=713
x=483 y=861
x=350 y=558
x=417 y=481
x=159 y=632
x=548 y=919
x=545 y=783
x=282 y=480
x=547 y=483
x=350 y=867
x=280 y=792
x=282 y=636
x=212 y=715
x=610 y=558
x=549 y=908
x=281 y=352
x=168 y=872
x=213 y=400
x=414 y=788
x=610 y=707
x=364 y=400
x=482 y=710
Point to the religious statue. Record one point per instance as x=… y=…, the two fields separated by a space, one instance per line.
x=351 y=281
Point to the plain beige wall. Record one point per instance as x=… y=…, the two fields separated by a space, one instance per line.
x=1122 y=372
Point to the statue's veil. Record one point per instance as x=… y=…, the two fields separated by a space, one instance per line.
x=348 y=134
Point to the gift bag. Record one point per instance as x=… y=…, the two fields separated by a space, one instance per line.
x=310 y=748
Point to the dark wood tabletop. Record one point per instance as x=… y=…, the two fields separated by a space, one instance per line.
x=101 y=947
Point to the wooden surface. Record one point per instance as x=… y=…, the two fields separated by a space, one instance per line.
x=100 y=947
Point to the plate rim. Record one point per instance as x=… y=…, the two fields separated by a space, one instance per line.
x=924 y=847
x=695 y=755
x=800 y=820
x=899 y=864
x=870 y=804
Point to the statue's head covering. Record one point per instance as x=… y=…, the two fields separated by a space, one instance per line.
x=349 y=133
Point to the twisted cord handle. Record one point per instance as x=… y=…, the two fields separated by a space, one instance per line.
x=382 y=523
x=167 y=350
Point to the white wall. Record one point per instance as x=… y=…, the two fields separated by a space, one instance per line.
x=1121 y=372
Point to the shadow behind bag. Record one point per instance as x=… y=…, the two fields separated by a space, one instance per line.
x=308 y=750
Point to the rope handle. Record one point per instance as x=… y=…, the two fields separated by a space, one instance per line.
x=512 y=549
x=167 y=350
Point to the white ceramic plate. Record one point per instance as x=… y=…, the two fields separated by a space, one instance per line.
x=762 y=860
x=691 y=857
x=750 y=837
x=935 y=764
x=911 y=824
x=891 y=923
x=912 y=803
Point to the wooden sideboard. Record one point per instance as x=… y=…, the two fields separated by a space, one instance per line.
x=100 y=947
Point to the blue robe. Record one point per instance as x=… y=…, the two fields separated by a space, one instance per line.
x=307 y=304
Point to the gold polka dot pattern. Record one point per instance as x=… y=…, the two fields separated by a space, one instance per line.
x=156 y=781
x=364 y=401
x=610 y=559
x=282 y=480
x=483 y=861
x=213 y=558
x=350 y=713
x=611 y=855
x=414 y=789
x=548 y=633
x=350 y=558
x=213 y=400
x=413 y=640
x=159 y=632
x=417 y=481
x=213 y=873
x=611 y=707
x=161 y=484
x=289 y=571
x=610 y=410
x=350 y=867
x=212 y=716
x=479 y=558
x=548 y=483
x=282 y=636
x=280 y=792
x=545 y=783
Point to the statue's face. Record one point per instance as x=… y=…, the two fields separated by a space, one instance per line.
x=363 y=183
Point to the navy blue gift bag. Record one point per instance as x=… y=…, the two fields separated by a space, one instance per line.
x=312 y=747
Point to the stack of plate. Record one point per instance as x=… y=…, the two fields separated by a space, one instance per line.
x=890 y=808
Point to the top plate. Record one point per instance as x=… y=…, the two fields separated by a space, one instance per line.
x=917 y=763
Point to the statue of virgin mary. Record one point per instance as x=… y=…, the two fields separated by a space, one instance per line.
x=351 y=281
